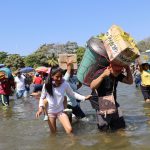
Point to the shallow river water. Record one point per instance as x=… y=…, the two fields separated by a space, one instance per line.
x=19 y=130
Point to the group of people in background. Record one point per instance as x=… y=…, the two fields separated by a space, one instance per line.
x=58 y=91
x=19 y=83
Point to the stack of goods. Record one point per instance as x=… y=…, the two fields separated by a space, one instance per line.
x=115 y=47
x=65 y=58
x=120 y=46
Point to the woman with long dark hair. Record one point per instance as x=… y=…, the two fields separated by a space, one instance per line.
x=54 y=91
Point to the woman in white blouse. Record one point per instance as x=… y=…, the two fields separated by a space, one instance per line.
x=54 y=91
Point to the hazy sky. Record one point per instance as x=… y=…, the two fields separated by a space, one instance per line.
x=27 y=24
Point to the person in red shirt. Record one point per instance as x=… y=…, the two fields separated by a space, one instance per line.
x=6 y=86
x=38 y=83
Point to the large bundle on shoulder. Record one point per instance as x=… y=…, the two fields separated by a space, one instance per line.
x=116 y=47
x=120 y=46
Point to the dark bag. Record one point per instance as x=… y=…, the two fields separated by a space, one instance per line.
x=107 y=105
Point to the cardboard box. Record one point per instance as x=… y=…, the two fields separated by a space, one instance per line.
x=120 y=47
x=64 y=58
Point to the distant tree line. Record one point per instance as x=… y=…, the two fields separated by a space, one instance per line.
x=144 y=45
x=47 y=54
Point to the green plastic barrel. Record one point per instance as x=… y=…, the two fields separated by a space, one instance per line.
x=91 y=66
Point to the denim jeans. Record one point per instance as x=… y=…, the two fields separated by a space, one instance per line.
x=21 y=93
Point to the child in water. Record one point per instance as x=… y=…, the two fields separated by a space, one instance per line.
x=54 y=91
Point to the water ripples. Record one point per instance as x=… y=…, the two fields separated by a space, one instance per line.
x=18 y=125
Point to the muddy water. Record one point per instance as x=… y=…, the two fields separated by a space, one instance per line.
x=19 y=130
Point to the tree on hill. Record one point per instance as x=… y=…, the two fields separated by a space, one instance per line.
x=38 y=59
x=80 y=53
x=3 y=56
x=42 y=49
x=15 y=61
x=144 y=45
x=44 y=55
x=31 y=60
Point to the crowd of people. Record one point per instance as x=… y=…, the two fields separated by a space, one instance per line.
x=58 y=93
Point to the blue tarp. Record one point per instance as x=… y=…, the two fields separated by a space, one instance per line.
x=2 y=65
x=26 y=69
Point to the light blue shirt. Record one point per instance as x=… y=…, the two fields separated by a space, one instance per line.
x=73 y=84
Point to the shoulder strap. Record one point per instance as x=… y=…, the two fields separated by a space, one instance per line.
x=114 y=82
